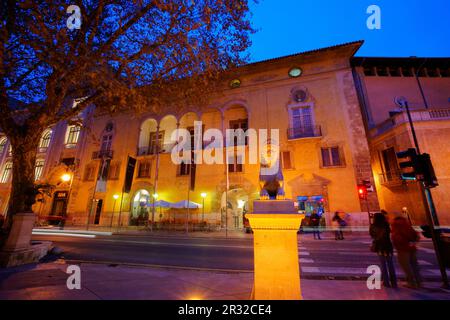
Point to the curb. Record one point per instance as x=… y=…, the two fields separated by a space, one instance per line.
x=155 y=266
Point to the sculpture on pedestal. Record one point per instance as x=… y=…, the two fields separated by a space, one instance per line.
x=271 y=180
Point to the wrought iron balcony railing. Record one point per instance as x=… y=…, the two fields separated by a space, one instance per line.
x=304 y=132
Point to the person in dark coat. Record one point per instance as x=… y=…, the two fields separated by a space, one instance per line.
x=404 y=238
x=315 y=224
x=338 y=224
x=380 y=232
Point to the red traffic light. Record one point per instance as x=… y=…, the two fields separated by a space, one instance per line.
x=362 y=191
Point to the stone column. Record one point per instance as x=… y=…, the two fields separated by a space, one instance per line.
x=18 y=249
x=20 y=236
x=276 y=259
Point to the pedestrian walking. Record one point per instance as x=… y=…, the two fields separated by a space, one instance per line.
x=315 y=224
x=380 y=232
x=338 y=224
x=404 y=238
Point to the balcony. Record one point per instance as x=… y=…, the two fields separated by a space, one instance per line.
x=391 y=178
x=416 y=115
x=102 y=154
x=304 y=132
x=148 y=151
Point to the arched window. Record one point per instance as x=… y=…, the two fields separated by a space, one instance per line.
x=6 y=174
x=107 y=138
x=38 y=169
x=45 y=139
x=3 y=142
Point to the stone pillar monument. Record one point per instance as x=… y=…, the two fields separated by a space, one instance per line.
x=18 y=248
x=275 y=223
x=277 y=275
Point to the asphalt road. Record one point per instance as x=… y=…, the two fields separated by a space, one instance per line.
x=327 y=257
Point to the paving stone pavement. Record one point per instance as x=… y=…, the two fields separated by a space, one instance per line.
x=48 y=281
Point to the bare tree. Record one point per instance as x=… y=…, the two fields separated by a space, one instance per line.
x=139 y=54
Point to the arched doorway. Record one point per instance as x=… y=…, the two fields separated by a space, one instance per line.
x=140 y=208
x=234 y=206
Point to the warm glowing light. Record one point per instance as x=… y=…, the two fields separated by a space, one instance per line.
x=195 y=298
x=116 y=196
x=203 y=194
x=66 y=177
x=155 y=195
x=241 y=204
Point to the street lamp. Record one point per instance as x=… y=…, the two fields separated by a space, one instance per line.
x=66 y=178
x=115 y=197
x=203 y=195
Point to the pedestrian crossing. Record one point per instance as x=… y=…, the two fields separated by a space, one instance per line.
x=351 y=259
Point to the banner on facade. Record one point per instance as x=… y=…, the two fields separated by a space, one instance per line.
x=131 y=164
x=103 y=175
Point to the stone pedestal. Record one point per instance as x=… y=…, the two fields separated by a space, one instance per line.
x=275 y=224
x=18 y=248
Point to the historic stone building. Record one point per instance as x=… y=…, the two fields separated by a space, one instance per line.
x=327 y=107
x=425 y=83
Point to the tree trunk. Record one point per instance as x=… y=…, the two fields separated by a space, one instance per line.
x=23 y=191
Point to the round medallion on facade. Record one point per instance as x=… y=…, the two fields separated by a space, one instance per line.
x=295 y=72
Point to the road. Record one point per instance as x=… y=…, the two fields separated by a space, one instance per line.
x=318 y=258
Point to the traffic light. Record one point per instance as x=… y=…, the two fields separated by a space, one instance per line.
x=429 y=177
x=417 y=167
x=362 y=191
x=411 y=167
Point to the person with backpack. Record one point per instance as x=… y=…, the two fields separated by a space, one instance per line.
x=404 y=238
x=315 y=224
x=380 y=233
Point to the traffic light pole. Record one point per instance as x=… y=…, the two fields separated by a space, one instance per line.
x=413 y=131
x=432 y=221
x=430 y=210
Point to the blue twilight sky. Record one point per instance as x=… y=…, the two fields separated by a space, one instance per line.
x=408 y=27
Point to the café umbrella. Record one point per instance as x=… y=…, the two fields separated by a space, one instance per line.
x=184 y=204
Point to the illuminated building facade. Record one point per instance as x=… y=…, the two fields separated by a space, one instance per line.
x=327 y=112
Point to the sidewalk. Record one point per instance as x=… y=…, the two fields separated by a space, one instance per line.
x=48 y=281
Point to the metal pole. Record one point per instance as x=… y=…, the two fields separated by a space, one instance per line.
x=153 y=210
x=226 y=173
x=420 y=84
x=430 y=210
x=187 y=211
x=226 y=205
x=155 y=188
x=112 y=216
x=120 y=212
x=203 y=210
x=368 y=208
x=413 y=131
